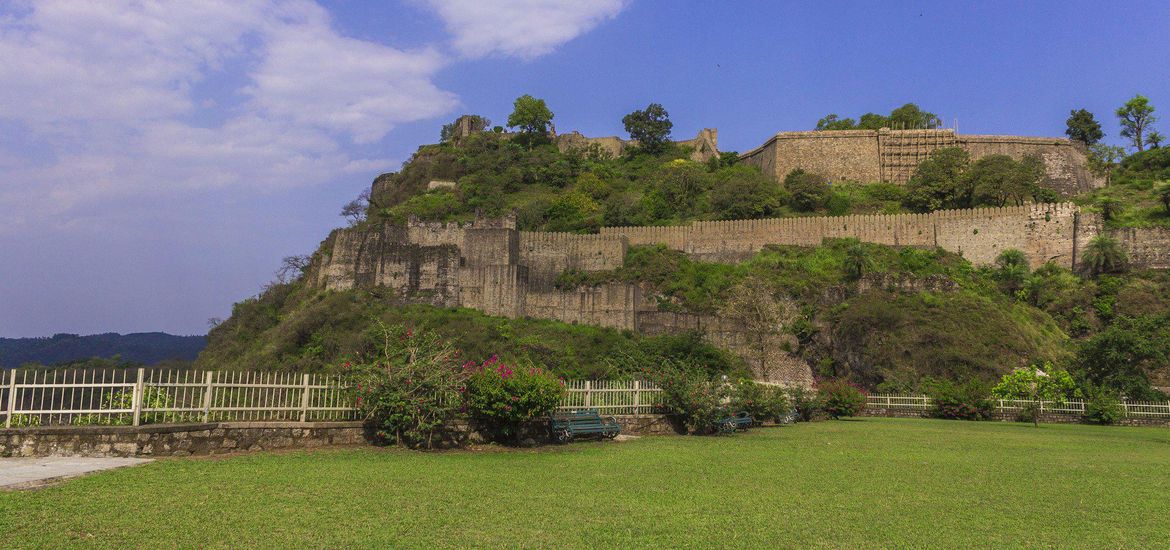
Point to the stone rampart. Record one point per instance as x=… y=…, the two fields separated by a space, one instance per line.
x=492 y=267
x=1148 y=248
x=867 y=156
x=1046 y=232
x=547 y=255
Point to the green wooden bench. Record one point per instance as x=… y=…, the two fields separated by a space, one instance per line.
x=738 y=421
x=566 y=425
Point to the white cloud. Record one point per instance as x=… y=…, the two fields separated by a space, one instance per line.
x=521 y=28
x=124 y=98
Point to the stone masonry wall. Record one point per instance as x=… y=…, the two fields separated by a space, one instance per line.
x=866 y=156
x=1045 y=232
x=177 y=439
x=1148 y=248
x=233 y=437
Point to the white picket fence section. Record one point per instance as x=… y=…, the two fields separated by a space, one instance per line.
x=612 y=397
x=1133 y=409
x=138 y=396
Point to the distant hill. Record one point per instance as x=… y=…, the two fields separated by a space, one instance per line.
x=143 y=347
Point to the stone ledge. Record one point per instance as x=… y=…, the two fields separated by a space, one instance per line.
x=173 y=428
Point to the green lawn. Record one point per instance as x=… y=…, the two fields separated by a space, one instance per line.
x=847 y=484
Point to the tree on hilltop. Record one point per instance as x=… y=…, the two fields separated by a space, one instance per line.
x=910 y=116
x=1154 y=139
x=650 y=127
x=532 y=117
x=808 y=191
x=1083 y=127
x=906 y=117
x=833 y=122
x=1136 y=116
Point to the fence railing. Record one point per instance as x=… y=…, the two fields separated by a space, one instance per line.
x=137 y=396
x=612 y=396
x=1133 y=409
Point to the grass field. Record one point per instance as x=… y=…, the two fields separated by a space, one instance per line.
x=868 y=483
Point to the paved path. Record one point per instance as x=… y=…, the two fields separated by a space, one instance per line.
x=28 y=473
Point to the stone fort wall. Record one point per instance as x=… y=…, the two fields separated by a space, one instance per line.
x=892 y=155
x=1045 y=232
x=491 y=266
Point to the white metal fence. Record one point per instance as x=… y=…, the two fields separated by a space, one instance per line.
x=1133 y=409
x=138 y=396
x=143 y=396
x=612 y=396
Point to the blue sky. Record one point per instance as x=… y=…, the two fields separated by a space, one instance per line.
x=157 y=161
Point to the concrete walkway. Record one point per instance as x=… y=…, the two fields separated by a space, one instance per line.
x=30 y=473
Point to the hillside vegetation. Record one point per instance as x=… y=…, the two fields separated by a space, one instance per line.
x=146 y=348
x=888 y=318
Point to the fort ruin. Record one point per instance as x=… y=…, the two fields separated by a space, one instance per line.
x=491 y=266
x=891 y=156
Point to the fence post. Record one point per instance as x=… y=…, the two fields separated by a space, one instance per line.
x=208 y=395
x=637 y=396
x=136 y=400
x=305 y=397
x=588 y=393
x=11 y=398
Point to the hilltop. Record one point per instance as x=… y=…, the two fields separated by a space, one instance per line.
x=606 y=257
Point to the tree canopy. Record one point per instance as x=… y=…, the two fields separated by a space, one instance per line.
x=1136 y=117
x=906 y=117
x=1083 y=127
x=650 y=127
x=531 y=116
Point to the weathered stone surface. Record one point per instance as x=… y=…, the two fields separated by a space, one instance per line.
x=867 y=156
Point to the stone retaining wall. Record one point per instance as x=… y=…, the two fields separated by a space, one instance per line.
x=230 y=437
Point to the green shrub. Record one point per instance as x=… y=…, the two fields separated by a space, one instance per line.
x=500 y=399
x=1104 y=408
x=761 y=401
x=806 y=403
x=808 y=191
x=411 y=388
x=967 y=401
x=840 y=399
x=693 y=397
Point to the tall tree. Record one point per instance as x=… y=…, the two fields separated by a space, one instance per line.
x=1082 y=127
x=1136 y=116
x=650 y=127
x=532 y=117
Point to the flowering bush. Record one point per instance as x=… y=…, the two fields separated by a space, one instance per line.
x=411 y=388
x=500 y=399
x=693 y=397
x=761 y=401
x=840 y=399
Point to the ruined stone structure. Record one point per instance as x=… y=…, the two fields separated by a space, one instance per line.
x=868 y=156
x=491 y=266
x=703 y=146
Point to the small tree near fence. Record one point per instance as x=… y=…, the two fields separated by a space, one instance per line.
x=411 y=388
x=1036 y=385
